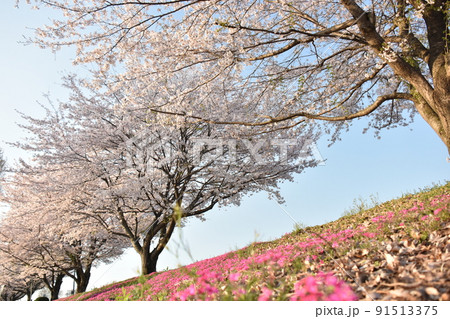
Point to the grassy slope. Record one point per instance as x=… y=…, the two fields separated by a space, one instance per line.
x=399 y=250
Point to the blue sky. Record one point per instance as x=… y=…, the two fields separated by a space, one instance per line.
x=403 y=160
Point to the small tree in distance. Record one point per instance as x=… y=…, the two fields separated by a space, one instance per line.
x=2 y=162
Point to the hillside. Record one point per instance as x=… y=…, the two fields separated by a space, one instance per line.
x=399 y=250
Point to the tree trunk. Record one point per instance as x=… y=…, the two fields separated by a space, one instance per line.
x=439 y=122
x=439 y=65
x=55 y=286
x=431 y=100
x=83 y=279
x=441 y=95
x=443 y=112
x=437 y=113
x=148 y=262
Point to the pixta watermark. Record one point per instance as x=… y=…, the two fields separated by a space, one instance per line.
x=154 y=150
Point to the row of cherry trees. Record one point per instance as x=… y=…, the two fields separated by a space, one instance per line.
x=106 y=174
x=41 y=242
x=168 y=126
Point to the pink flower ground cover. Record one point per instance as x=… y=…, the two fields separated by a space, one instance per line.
x=289 y=269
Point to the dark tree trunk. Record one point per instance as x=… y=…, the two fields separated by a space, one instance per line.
x=83 y=279
x=441 y=76
x=437 y=113
x=57 y=287
x=148 y=263
x=149 y=257
x=54 y=285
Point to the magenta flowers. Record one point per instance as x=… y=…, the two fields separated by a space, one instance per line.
x=298 y=267
x=325 y=287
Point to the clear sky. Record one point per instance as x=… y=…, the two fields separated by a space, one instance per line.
x=403 y=160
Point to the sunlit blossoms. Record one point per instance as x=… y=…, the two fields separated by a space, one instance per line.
x=285 y=63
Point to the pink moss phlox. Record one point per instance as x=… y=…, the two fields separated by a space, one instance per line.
x=201 y=280
x=324 y=287
x=265 y=295
x=384 y=217
x=440 y=199
x=234 y=276
x=369 y=235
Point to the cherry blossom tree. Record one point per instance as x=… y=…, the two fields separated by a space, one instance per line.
x=20 y=278
x=140 y=175
x=2 y=168
x=317 y=61
x=2 y=162
x=8 y=293
x=14 y=284
x=40 y=234
x=26 y=270
x=27 y=256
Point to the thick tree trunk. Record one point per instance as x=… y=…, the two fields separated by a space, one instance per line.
x=148 y=263
x=432 y=100
x=149 y=258
x=83 y=279
x=437 y=113
x=438 y=61
x=439 y=121
x=443 y=112
x=441 y=95
x=54 y=286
